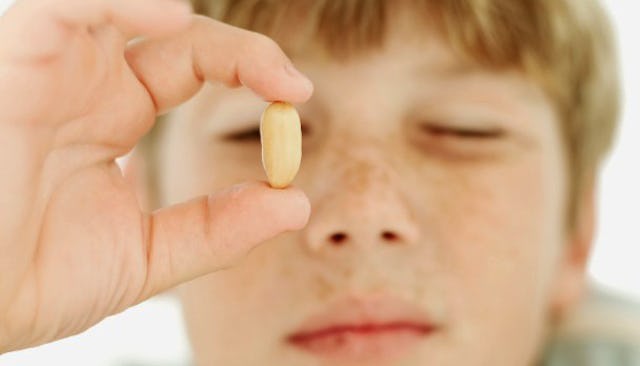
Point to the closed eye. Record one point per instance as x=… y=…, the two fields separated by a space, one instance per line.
x=252 y=135
x=463 y=133
x=248 y=135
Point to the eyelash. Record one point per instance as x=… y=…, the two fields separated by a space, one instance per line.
x=252 y=135
x=463 y=133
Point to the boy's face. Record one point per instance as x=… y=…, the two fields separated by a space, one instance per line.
x=437 y=234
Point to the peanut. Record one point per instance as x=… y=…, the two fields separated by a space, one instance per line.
x=281 y=138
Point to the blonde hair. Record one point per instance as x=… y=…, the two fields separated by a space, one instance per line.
x=565 y=45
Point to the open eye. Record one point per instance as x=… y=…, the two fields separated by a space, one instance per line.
x=463 y=133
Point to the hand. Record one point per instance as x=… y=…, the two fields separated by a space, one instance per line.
x=75 y=94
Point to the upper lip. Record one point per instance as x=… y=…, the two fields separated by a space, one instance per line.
x=364 y=315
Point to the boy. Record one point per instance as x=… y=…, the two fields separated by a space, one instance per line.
x=450 y=155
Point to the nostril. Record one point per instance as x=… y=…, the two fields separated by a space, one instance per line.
x=390 y=236
x=338 y=239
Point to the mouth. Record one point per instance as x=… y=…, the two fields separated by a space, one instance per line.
x=361 y=330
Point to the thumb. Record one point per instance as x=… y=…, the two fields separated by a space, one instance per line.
x=211 y=233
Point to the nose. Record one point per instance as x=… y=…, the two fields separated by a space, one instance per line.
x=340 y=237
x=362 y=206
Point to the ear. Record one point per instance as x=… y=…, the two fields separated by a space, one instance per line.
x=571 y=281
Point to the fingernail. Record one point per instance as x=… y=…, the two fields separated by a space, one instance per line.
x=293 y=72
x=304 y=209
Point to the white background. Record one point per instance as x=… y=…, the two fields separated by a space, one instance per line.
x=152 y=332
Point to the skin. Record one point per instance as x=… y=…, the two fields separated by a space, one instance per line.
x=481 y=241
x=74 y=95
x=481 y=238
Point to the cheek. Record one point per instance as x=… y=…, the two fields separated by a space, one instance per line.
x=258 y=287
x=498 y=232
x=223 y=309
x=502 y=214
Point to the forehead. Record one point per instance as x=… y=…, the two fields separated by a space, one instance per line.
x=412 y=64
x=499 y=34
x=412 y=42
x=332 y=41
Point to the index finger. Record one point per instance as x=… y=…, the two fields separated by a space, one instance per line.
x=41 y=29
x=173 y=69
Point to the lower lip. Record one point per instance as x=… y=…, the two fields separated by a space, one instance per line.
x=364 y=342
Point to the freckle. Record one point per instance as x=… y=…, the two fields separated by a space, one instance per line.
x=362 y=179
x=347 y=272
x=323 y=288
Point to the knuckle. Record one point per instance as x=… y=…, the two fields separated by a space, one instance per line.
x=260 y=43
